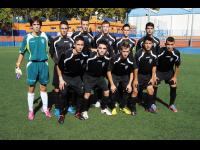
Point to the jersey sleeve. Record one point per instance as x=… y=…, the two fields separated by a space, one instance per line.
x=158 y=46
x=115 y=47
x=111 y=64
x=138 y=46
x=72 y=36
x=94 y=43
x=60 y=63
x=134 y=42
x=50 y=40
x=85 y=57
x=114 y=43
x=51 y=48
x=91 y=54
x=133 y=47
x=160 y=50
x=178 y=61
x=134 y=63
x=23 y=47
x=155 y=61
x=136 y=60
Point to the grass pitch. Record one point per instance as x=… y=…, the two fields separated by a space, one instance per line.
x=164 y=125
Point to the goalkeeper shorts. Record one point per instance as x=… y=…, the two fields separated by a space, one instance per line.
x=37 y=71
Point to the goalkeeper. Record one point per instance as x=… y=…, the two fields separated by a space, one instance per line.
x=35 y=44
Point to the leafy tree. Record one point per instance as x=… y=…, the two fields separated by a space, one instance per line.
x=5 y=15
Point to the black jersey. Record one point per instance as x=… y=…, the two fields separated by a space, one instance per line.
x=88 y=39
x=156 y=44
x=120 y=41
x=167 y=60
x=72 y=65
x=120 y=67
x=97 y=66
x=145 y=61
x=59 y=46
x=109 y=38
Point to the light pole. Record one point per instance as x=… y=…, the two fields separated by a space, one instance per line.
x=187 y=26
x=126 y=18
x=12 y=29
x=191 y=34
x=190 y=43
x=171 y=27
x=148 y=14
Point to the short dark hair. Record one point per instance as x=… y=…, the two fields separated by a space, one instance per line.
x=148 y=38
x=104 y=42
x=36 y=18
x=64 y=22
x=79 y=38
x=85 y=18
x=124 y=45
x=150 y=24
x=125 y=25
x=170 y=39
x=105 y=22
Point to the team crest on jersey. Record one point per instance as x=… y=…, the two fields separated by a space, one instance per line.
x=90 y=40
x=103 y=64
x=110 y=42
x=126 y=67
x=154 y=44
x=150 y=61
x=82 y=62
x=171 y=59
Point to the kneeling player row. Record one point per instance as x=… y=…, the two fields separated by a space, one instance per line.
x=82 y=71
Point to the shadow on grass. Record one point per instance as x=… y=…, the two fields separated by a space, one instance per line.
x=39 y=104
x=143 y=101
x=38 y=101
x=162 y=102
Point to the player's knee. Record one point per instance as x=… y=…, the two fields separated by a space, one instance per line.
x=158 y=82
x=106 y=93
x=31 y=88
x=87 y=95
x=134 y=94
x=150 y=90
x=43 y=88
x=56 y=90
x=155 y=86
x=173 y=86
x=63 y=93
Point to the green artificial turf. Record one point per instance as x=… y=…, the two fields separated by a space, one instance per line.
x=164 y=125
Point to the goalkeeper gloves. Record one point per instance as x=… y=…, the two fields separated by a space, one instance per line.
x=18 y=72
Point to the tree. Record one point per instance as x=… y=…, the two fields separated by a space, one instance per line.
x=5 y=15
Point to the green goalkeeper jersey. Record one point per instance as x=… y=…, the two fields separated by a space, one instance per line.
x=36 y=46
